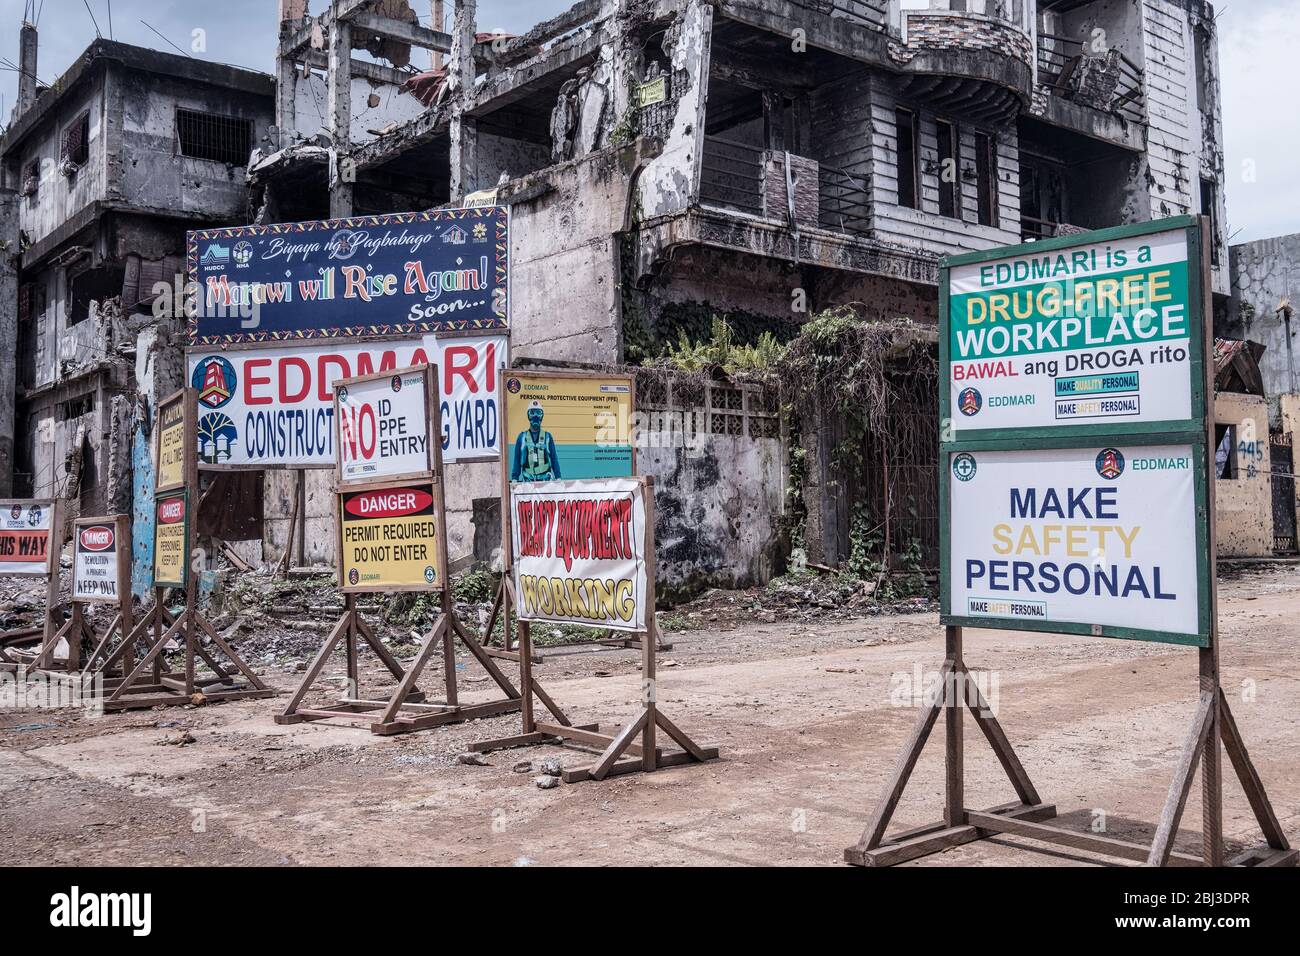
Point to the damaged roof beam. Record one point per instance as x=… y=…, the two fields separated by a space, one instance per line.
x=525 y=45
x=386 y=27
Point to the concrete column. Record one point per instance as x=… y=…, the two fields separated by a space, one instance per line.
x=26 y=67
x=340 y=112
x=8 y=334
x=464 y=146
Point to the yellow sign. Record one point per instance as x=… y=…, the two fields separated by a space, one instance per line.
x=656 y=91
x=171 y=517
x=567 y=426
x=171 y=445
x=388 y=540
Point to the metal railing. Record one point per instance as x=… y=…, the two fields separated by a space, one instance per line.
x=1059 y=63
x=872 y=13
x=844 y=199
x=731 y=175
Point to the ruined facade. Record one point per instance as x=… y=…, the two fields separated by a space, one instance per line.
x=761 y=160
x=101 y=175
x=1265 y=274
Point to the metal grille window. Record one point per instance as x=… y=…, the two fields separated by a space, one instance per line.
x=75 y=145
x=221 y=139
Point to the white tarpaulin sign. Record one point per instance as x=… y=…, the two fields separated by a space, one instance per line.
x=95 y=562
x=25 y=537
x=384 y=428
x=274 y=406
x=1095 y=333
x=1101 y=536
x=579 y=552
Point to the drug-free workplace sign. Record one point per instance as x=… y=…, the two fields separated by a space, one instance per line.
x=384 y=427
x=1104 y=535
x=388 y=540
x=273 y=406
x=1097 y=333
x=579 y=550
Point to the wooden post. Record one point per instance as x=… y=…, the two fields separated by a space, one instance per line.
x=954 y=692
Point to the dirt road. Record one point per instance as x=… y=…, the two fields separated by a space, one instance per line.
x=808 y=718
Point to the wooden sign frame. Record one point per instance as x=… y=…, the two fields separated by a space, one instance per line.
x=502 y=602
x=145 y=683
x=12 y=655
x=1213 y=722
x=78 y=627
x=406 y=709
x=647 y=755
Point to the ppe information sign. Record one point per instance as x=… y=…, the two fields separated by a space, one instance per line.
x=1095 y=333
x=579 y=552
x=96 y=569
x=383 y=426
x=567 y=426
x=1101 y=535
x=388 y=540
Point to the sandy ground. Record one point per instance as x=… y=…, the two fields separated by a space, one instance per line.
x=808 y=716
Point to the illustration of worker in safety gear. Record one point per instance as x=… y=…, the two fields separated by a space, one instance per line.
x=535 y=457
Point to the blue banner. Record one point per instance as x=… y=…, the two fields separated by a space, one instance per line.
x=400 y=274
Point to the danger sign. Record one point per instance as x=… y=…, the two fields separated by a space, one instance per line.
x=385 y=426
x=96 y=566
x=388 y=539
x=170 y=541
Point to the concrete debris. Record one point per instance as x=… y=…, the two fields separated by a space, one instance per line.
x=546 y=783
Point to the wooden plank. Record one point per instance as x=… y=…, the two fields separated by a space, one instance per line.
x=675 y=758
x=1249 y=777
x=618 y=745
x=1089 y=842
x=1181 y=785
x=875 y=831
x=683 y=741
x=954 y=758
x=997 y=739
x=935 y=838
x=317 y=665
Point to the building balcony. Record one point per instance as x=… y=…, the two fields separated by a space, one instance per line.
x=1104 y=80
x=754 y=182
x=868 y=13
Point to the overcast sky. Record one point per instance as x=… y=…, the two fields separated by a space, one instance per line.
x=1259 y=40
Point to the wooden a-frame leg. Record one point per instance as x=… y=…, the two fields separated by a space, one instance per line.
x=1250 y=782
x=875 y=831
x=317 y=665
x=413 y=672
x=229 y=652
x=601 y=767
x=954 y=754
x=150 y=658
x=1181 y=785
x=997 y=739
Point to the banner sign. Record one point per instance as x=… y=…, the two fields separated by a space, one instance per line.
x=270 y=406
x=384 y=426
x=400 y=274
x=388 y=539
x=579 y=550
x=1094 y=333
x=97 y=561
x=1086 y=536
x=26 y=528
x=567 y=426
x=170 y=540
x=171 y=443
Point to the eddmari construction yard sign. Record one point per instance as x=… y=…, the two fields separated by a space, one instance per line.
x=1076 y=497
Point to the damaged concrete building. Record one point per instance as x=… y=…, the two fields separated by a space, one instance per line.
x=667 y=161
x=103 y=172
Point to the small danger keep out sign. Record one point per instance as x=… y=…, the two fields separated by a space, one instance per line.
x=95 y=567
x=383 y=428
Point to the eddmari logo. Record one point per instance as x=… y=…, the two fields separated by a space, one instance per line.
x=970 y=401
x=1110 y=463
x=964 y=467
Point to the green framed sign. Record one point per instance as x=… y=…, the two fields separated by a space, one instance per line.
x=171 y=540
x=1075 y=488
